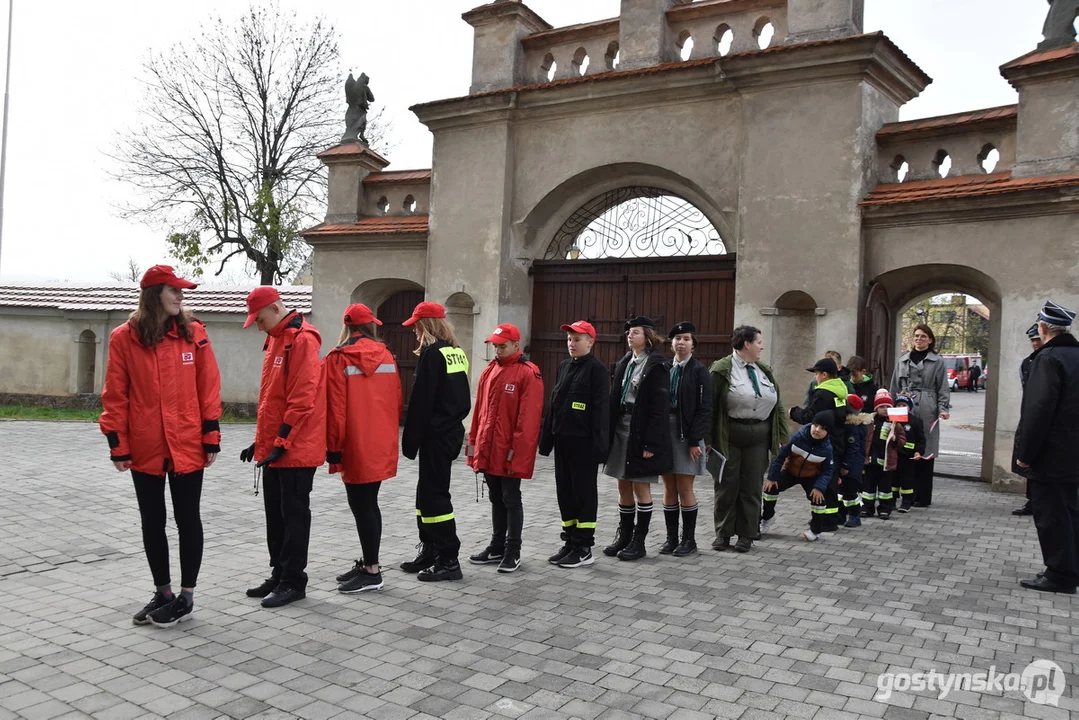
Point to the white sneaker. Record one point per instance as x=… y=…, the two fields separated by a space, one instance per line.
x=811 y=536
x=766 y=525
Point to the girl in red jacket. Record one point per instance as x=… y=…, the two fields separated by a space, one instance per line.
x=502 y=442
x=363 y=413
x=161 y=407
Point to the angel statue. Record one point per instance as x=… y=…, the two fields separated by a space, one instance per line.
x=359 y=98
x=1059 y=30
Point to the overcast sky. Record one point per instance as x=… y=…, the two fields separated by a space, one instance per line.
x=73 y=85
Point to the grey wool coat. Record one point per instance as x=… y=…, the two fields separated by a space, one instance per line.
x=928 y=383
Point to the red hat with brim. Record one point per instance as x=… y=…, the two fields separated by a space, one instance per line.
x=360 y=314
x=581 y=326
x=261 y=297
x=425 y=310
x=504 y=333
x=164 y=275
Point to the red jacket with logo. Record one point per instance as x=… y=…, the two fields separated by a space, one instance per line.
x=292 y=398
x=506 y=420
x=363 y=410
x=162 y=404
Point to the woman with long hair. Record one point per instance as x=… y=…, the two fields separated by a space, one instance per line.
x=921 y=374
x=363 y=412
x=640 y=436
x=435 y=430
x=161 y=410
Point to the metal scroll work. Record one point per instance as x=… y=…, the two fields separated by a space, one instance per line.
x=635 y=222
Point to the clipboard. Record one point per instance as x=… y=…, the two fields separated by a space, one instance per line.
x=716 y=463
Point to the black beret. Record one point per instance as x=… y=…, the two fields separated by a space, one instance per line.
x=639 y=321
x=681 y=328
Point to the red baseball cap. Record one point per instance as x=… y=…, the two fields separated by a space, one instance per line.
x=504 y=333
x=261 y=297
x=164 y=275
x=581 y=326
x=360 y=314
x=425 y=310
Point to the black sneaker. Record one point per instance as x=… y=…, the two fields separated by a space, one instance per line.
x=174 y=612
x=488 y=556
x=159 y=600
x=425 y=558
x=884 y=515
x=562 y=552
x=261 y=591
x=283 y=595
x=441 y=571
x=357 y=568
x=510 y=562
x=576 y=557
x=904 y=508
x=361 y=581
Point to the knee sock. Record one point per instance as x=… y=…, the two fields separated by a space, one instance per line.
x=644 y=517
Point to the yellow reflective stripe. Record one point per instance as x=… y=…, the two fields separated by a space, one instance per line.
x=578 y=406
x=884 y=496
x=569 y=523
x=586 y=525
x=456 y=360
x=906 y=492
x=908 y=446
x=435 y=519
x=771 y=497
x=829 y=511
x=853 y=503
x=418 y=511
x=880 y=462
x=869 y=496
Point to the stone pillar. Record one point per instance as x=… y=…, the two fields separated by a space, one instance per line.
x=497 y=55
x=348 y=165
x=644 y=37
x=1047 y=140
x=810 y=20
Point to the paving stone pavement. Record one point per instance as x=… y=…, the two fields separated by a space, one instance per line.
x=791 y=629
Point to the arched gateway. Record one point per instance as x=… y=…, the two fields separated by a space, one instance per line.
x=792 y=154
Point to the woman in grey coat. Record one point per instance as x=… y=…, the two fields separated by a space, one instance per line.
x=921 y=373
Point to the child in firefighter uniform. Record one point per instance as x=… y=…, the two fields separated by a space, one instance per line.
x=807 y=460
x=435 y=430
x=852 y=464
x=882 y=459
x=502 y=442
x=910 y=451
x=576 y=428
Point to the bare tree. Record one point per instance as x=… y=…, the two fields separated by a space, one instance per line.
x=224 y=156
x=132 y=273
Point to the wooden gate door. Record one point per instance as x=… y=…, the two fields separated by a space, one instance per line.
x=399 y=339
x=608 y=292
x=878 y=334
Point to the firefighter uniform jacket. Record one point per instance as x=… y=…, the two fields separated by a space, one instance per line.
x=805 y=457
x=829 y=396
x=363 y=410
x=162 y=404
x=292 y=398
x=440 y=398
x=579 y=406
x=506 y=423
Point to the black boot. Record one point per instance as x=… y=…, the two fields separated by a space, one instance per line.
x=425 y=558
x=670 y=517
x=442 y=569
x=635 y=550
x=688 y=546
x=623 y=535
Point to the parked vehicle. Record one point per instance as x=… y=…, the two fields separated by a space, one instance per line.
x=958 y=368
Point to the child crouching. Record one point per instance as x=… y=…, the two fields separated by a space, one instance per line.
x=807 y=460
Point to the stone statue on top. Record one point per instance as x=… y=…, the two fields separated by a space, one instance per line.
x=1059 y=30
x=359 y=98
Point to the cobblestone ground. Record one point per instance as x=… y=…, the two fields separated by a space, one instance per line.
x=790 y=630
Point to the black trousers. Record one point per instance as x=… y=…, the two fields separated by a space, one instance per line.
x=1056 y=516
x=906 y=480
x=186 y=491
x=286 y=495
x=923 y=481
x=575 y=476
x=850 y=488
x=877 y=492
x=363 y=501
x=507 y=512
x=434 y=507
x=821 y=515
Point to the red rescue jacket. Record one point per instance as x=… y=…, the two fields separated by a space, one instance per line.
x=363 y=410
x=292 y=398
x=161 y=405
x=506 y=420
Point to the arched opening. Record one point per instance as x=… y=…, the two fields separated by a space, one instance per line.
x=724 y=38
x=943 y=163
x=794 y=342
x=988 y=158
x=383 y=205
x=393 y=302
x=409 y=204
x=459 y=311
x=613 y=57
x=549 y=66
x=764 y=31
x=900 y=167
x=685 y=45
x=86 y=371
x=580 y=61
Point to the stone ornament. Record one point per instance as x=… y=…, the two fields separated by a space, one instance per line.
x=359 y=98
x=1059 y=30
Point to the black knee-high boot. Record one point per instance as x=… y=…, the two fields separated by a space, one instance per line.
x=624 y=533
x=635 y=550
x=688 y=546
x=670 y=516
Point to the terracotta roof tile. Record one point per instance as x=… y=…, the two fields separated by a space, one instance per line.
x=570 y=32
x=669 y=67
x=389 y=225
x=1041 y=56
x=346 y=150
x=963 y=187
x=398 y=176
x=125 y=297
x=946 y=122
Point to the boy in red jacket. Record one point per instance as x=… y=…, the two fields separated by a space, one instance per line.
x=502 y=442
x=290 y=440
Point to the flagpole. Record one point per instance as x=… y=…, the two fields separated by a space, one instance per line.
x=3 y=140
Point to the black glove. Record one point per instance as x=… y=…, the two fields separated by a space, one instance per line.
x=248 y=453
x=273 y=457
